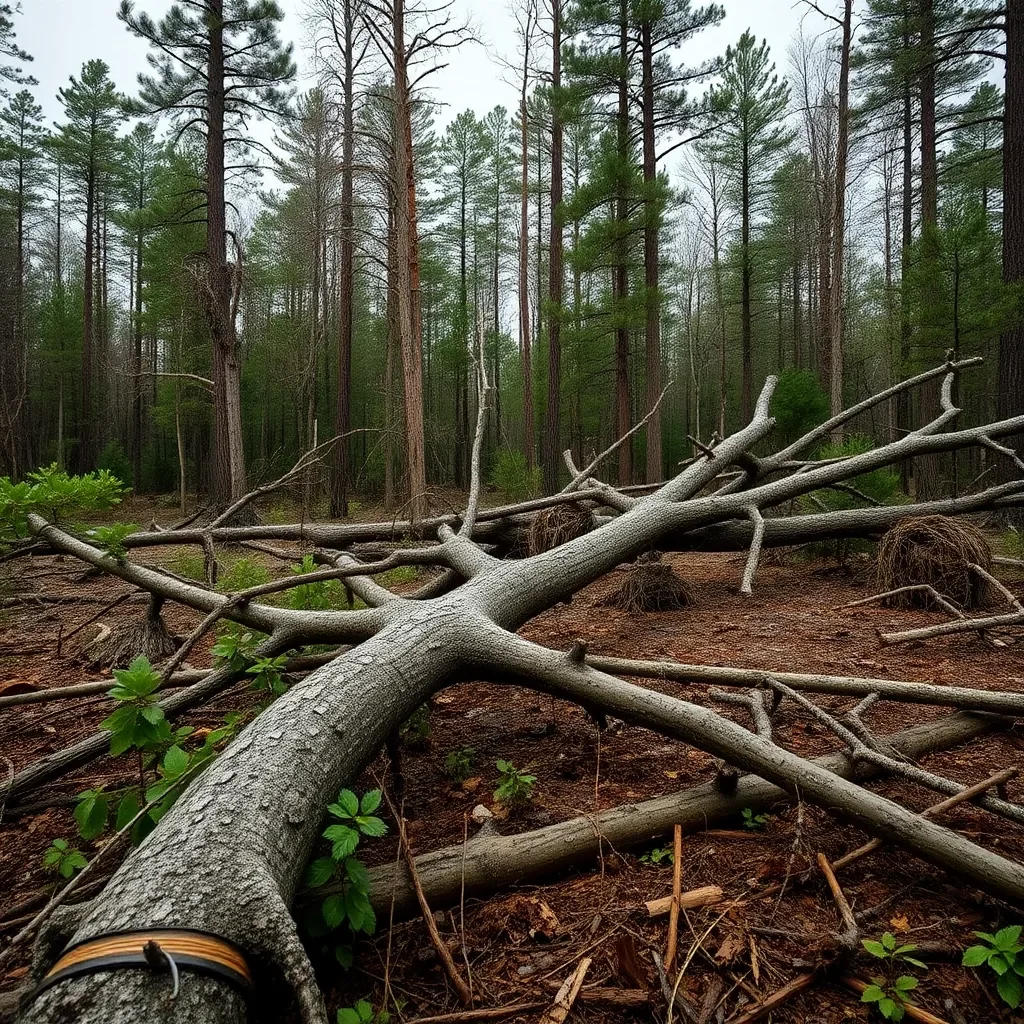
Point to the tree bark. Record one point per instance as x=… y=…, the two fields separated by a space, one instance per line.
x=1010 y=389
x=525 y=341
x=620 y=277
x=553 y=420
x=228 y=477
x=340 y=480
x=652 y=218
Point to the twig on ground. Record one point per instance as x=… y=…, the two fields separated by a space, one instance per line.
x=677 y=880
x=566 y=995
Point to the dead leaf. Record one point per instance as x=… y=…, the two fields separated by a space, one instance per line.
x=900 y=923
x=732 y=945
x=472 y=785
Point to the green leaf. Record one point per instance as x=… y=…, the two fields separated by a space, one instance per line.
x=370 y=802
x=371 y=826
x=156 y=791
x=127 y=809
x=333 y=910
x=91 y=815
x=915 y=963
x=153 y=713
x=345 y=840
x=874 y=948
x=872 y=994
x=343 y=954
x=889 y=941
x=320 y=872
x=360 y=914
x=1005 y=938
x=358 y=875
x=349 y=803
x=365 y=1010
x=1009 y=989
x=890 y=1009
x=346 y=1015
x=175 y=763
x=904 y=983
x=975 y=956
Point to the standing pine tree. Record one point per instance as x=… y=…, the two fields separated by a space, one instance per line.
x=218 y=64
x=88 y=146
x=751 y=143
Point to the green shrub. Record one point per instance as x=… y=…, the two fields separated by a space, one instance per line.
x=188 y=565
x=54 y=495
x=114 y=460
x=881 y=486
x=510 y=475
x=798 y=405
x=242 y=574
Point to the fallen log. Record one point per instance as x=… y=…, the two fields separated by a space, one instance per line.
x=960 y=697
x=496 y=862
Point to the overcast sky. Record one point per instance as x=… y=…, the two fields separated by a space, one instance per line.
x=63 y=34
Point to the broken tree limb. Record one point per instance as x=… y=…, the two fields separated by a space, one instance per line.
x=677 y=889
x=495 y=862
x=550 y=671
x=960 y=625
x=870 y=752
x=970 y=793
x=776 y=999
x=962 y=698
x=566 y=995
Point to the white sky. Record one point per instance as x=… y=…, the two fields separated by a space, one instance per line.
x=63 y=34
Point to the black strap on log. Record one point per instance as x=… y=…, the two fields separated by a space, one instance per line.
x=154 y=949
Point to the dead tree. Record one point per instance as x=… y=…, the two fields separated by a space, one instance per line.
x=229 y=857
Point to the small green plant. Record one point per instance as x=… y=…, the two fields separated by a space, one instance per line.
x=890 y=993
x=111 y=538
x=515 y=787
x=64 y=858
x=236 y=649
x=267 y=674
x=188 y=565
x=354 y=819
x=1001 y=952
x=510 y=475
x=362 y=1013
x=753 y=822
x=415 y=730
x=313 y=597
x=242 y=574
x=139 y=721
x=658 y=855
x=458 y=764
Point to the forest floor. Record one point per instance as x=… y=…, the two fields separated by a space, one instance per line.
x=520 y=945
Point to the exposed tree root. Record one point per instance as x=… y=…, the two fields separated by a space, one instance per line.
x=553 y=527
x=937 y=551
x=147 y=636
x=650 y=585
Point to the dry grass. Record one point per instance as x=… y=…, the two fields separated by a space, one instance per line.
x=552 y=527
x=938 y=551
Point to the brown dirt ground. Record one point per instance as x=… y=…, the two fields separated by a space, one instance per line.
x=794 y=621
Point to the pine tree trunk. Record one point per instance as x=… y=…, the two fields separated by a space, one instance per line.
x=553 y=420
x=228 y=477
x=525 y=341
x=652 y=323
x=836 y=325
x=1010 y=395
x=620 y=282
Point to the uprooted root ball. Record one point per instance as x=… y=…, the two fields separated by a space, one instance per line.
x=650 y=586
x=120 y=646
x=552 y=527
x=938 y=551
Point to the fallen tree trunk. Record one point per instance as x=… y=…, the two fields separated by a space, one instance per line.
x=228 y=857
x=489 y=863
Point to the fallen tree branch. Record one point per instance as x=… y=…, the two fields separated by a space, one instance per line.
x=962 y=698
x=495 y=862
